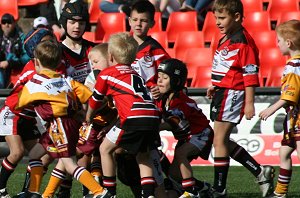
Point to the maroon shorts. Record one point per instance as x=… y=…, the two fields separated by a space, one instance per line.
x=61 y=137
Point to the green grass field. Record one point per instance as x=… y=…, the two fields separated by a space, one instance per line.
x=240 y=182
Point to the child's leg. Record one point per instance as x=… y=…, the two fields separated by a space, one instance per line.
x=36 y=167
x=9 y=164
x=108 y=165
x=146 y=172
x=82 y=175
x=285 y=171
x=222 y=132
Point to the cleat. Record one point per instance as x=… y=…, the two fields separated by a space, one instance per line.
x=20 y=195
x=106 y=194
x=215 y=194
x=64 y=193
x=204 y=191
x=32 y=195
x=189 y=195
x=277 y=195
x=4 y=193
x=265 y=180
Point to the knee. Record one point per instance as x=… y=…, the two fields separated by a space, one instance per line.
x=16 y=154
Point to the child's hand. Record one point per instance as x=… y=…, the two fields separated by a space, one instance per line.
x=210 y=92
x=155 y=92
x=249 y=111
x=266 y=113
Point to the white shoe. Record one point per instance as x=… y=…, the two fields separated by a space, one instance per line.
x=265 y=180
x=4 y=193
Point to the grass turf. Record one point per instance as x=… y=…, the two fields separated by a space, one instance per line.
x=240 y=183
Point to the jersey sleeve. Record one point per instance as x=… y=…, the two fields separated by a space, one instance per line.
x=291 y=88
x=82 y=92
x=250 y=65
x=99 y=91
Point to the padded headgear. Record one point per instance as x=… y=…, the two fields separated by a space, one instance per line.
x=33 y=38
x=74 y=11
x=177 y=72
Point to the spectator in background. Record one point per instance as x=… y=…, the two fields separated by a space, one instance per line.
x=40 y=22
x=166 y=7
x=195 y=5
x=13 y=54
x=116 y=6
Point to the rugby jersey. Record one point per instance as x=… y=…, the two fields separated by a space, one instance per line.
x=53 y=95
x=290 y=88
x=236 y=63
x=150 y=54
x=186 y=108
x=128 y=91
x=77 y=65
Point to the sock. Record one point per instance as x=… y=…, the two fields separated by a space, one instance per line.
x=110 y=184
x=198 y=183
x=96 y=170
x=36 y=175
x=283 y=181
x=27 y=179
x=221 y=166
x=148 y=185
x=7 y=168
x=57 y=176
x=240 y=155
x=85 y=178
x=188 y=184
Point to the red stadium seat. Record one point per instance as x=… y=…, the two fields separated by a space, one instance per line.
x=185 y=40
x=265 y=39
x=158 y=23
x=270 y=58
x=252 y=5
x=180 y=22
x=202 y=77
x=94 y=11
x=276 y=7
x=195 y=57
x=209 y=27
x=257 y=21
x=286 y=16
x=161 y=37
x=274 y=77
x=10 y=7
x=30 y=2
x=109 y=23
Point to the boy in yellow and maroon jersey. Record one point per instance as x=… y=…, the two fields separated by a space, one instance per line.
x=288 y=35
x=54 y=99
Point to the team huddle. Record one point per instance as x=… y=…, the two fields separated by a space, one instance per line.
x=101 y=108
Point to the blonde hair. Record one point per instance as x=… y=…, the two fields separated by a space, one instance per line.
x=101 y=48
x=123 y=48
x=231 y=6
x=290 y=30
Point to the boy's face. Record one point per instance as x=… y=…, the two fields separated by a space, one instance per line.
x=140 y=23
x=163 y=82
x=75 y=28
x=97 y=60
x=226 y=22
x=283 y=45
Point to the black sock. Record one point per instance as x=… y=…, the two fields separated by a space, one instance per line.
x=7 y=168
x=26 y=180
x=110 y=184
x=221 y=166
x=148 y=184
x=240 y=155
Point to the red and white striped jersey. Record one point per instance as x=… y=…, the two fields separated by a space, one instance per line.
x=128 y=90
x=77 y=65
x=186 y=108
x=53 y=95
x=150 y=54
x=235 y=65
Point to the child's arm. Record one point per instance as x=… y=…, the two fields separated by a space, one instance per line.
x=249 y=103
x=272 y=109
